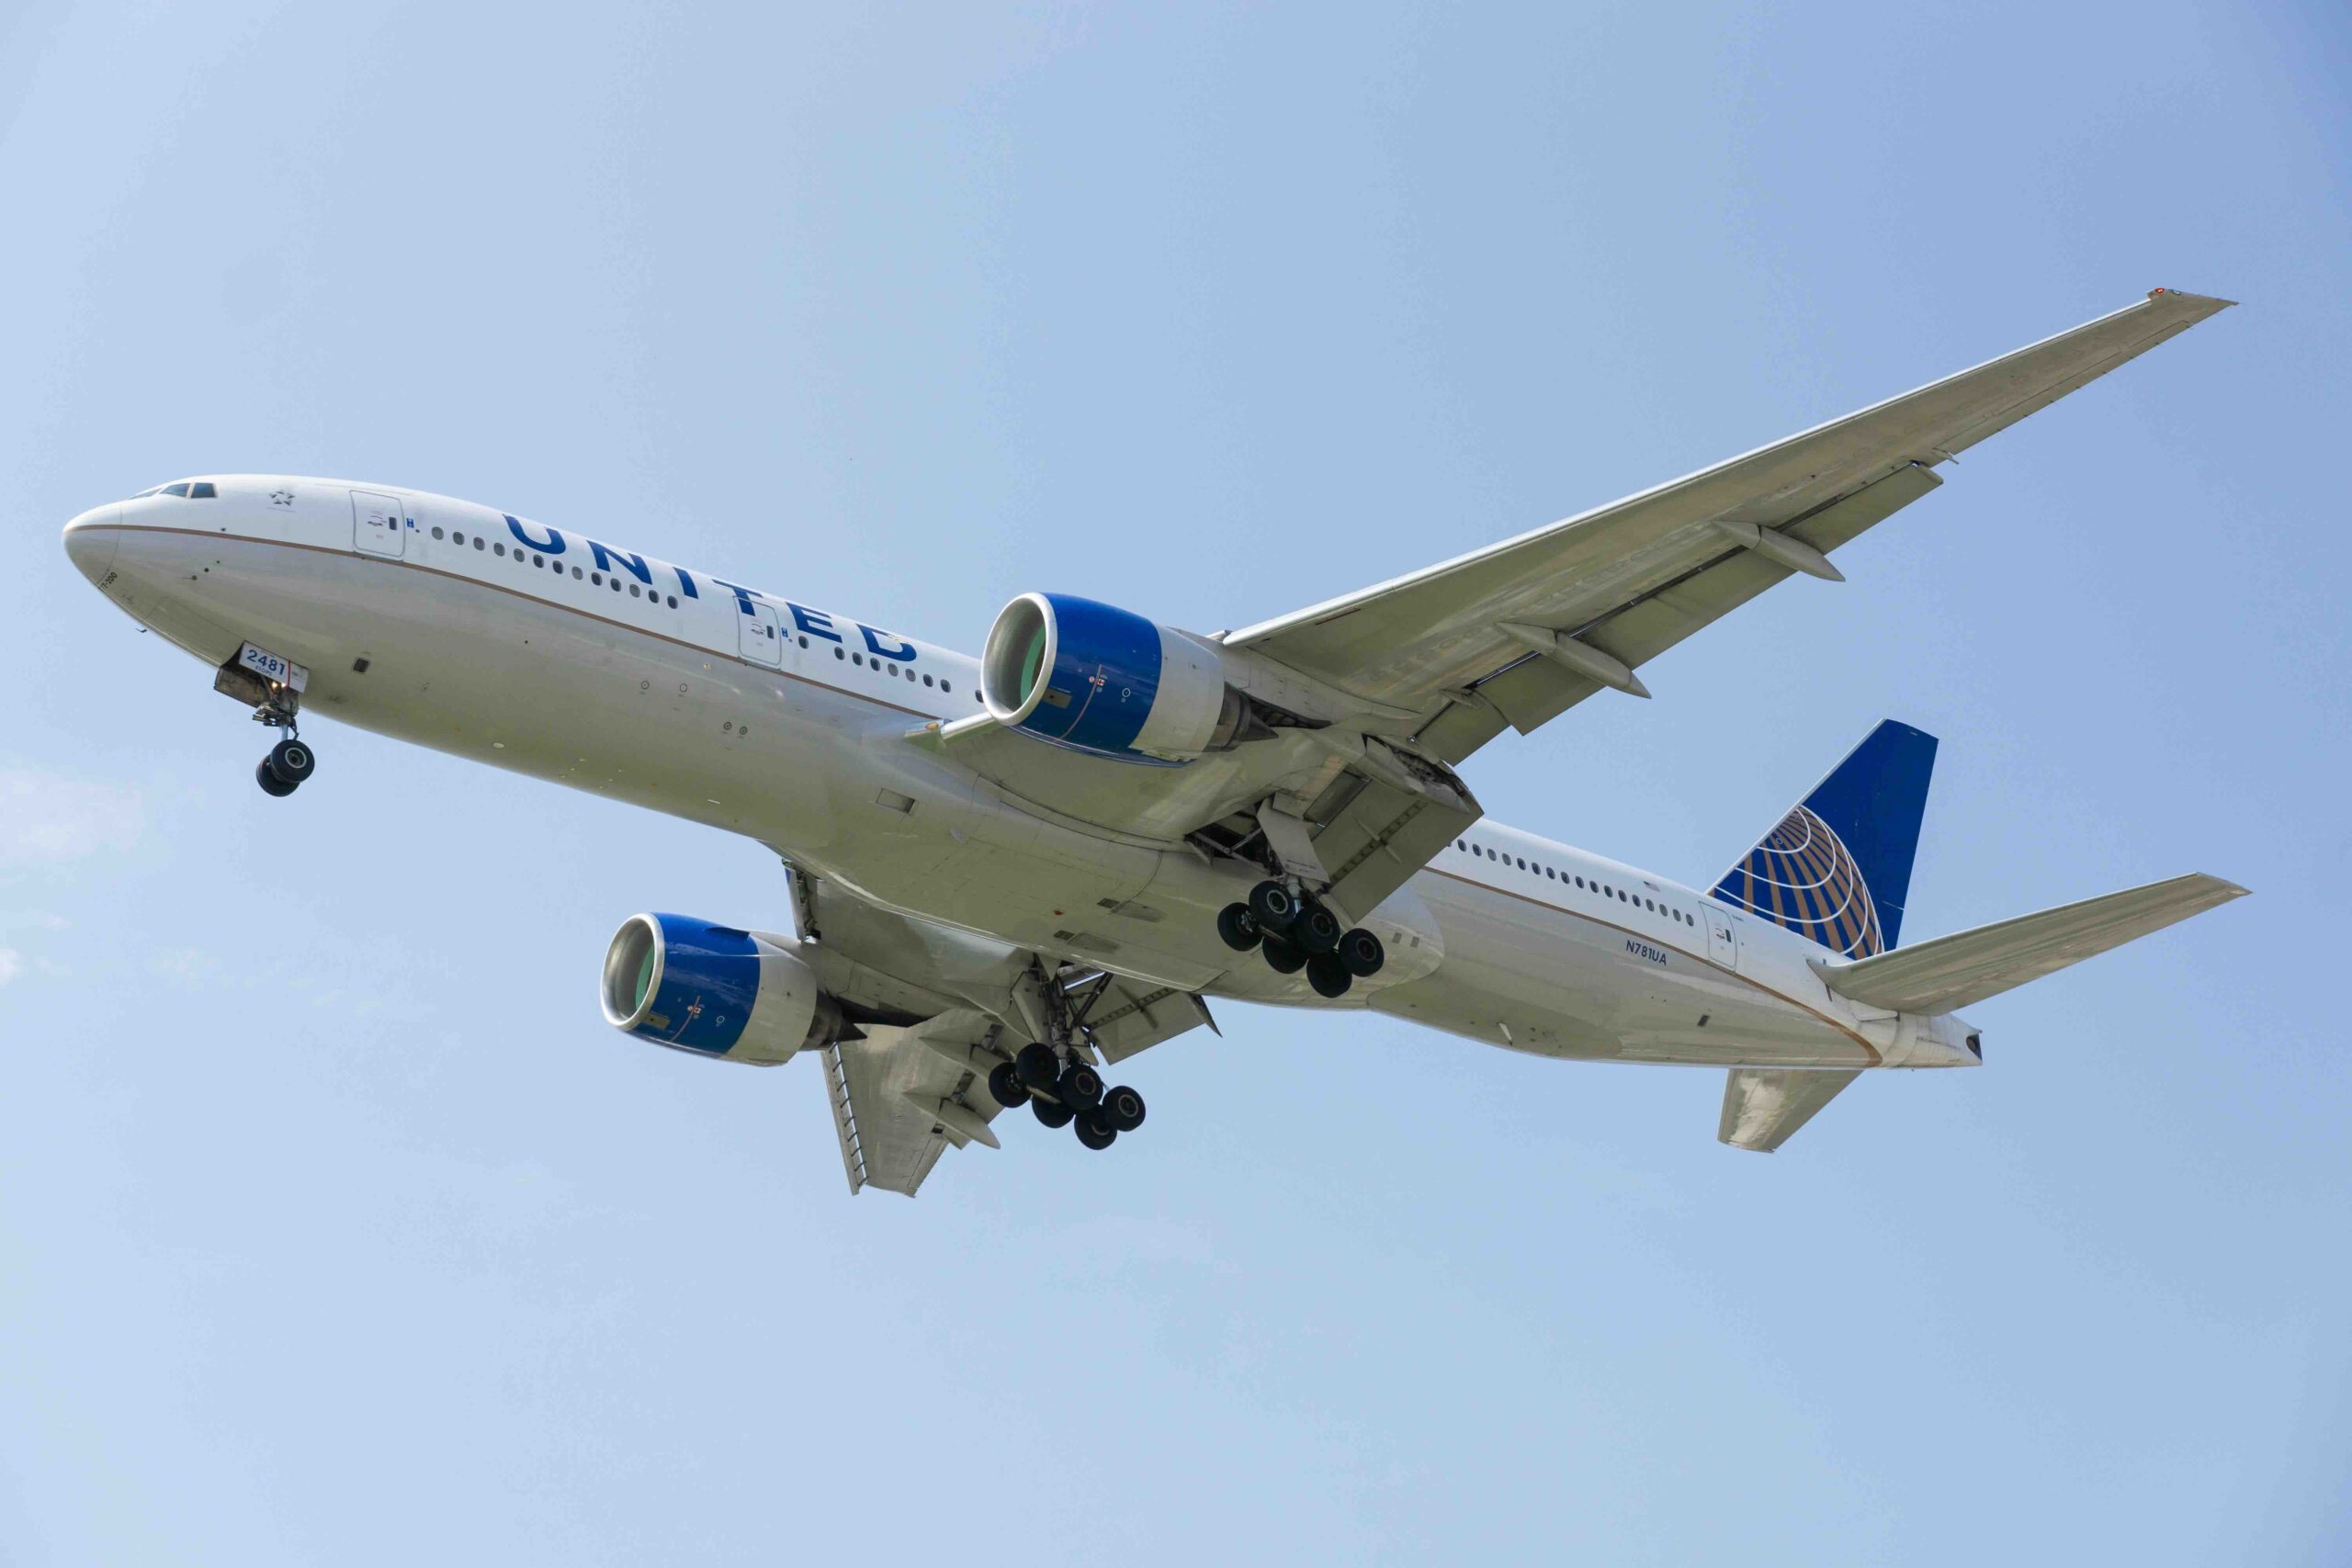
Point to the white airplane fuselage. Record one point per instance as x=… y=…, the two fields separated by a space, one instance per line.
x=548 y=653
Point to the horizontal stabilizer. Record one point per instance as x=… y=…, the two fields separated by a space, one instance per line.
x=1762 y=1106
x=1954 y=972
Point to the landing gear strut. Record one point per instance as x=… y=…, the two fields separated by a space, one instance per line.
x=276 y=704
x=1055 y=1081
x=1295 y=931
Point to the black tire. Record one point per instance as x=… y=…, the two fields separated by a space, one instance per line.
x=1051 y=1115
x=292 y=762
x=1284 y=956
x=1005 y=1084
x=1123 y=1108
x=270 y=782
x=1095 y=1133
x=1272 y=906
x=1361 y=952
x=1239 y=926
x=1038 y=1066
x=1080 y=1085
x=1317 y=929
x=1328 y=976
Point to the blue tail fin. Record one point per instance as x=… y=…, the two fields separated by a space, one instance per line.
x=1838 y=867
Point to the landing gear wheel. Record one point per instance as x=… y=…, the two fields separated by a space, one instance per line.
x=1095 y=1132
x=1080 y=1085
x=290 y=761
x=1004 y=1083
x=1052 y=1115
x=1122 y=1109
x=1239 y=926
x=1038 y=1066
x=270 y=782
x=1328 y=976
x=1272 y=907
x=1361 y=952
x=1317 y=929
x=1284 y=956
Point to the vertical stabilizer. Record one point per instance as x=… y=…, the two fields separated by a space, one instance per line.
x=1838 y=867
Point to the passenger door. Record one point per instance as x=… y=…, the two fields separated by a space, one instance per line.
x=756 y=625
x=376 y=524
x=1722 y=946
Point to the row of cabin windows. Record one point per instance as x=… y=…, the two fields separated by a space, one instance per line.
x=595 y=578
x=498 y=548
x=889 y=667
x=1540 y=870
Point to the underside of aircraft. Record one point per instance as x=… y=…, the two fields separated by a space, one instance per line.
x=1010 y=874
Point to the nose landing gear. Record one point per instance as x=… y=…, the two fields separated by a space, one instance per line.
x=1296 y=931
x=272 y=687
x=288 y=763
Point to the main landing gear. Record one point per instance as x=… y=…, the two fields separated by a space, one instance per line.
x=1065 y=1093
x=1296 y=931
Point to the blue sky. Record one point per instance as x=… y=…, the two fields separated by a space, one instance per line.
x=334 y=1225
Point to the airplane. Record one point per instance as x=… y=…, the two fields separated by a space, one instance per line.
x=1009 y=874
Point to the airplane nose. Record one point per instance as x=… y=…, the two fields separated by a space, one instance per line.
x=91 y=540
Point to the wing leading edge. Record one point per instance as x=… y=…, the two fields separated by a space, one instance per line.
x=1465 y=640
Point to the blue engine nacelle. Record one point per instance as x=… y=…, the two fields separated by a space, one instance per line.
x=1099 y=679
x=714 y=990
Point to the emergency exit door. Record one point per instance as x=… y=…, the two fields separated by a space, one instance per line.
x=1722 y=946
x=376 y=524
x=757 y=626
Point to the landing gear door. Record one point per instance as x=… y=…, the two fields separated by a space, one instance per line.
x=1722 y=946
x=376 y=524
x=761 y=644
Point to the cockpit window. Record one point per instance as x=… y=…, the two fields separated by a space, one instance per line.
x=202 y=490
x=179 y=490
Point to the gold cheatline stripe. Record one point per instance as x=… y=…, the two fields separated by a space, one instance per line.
x=1729 y=974
x=532 y=598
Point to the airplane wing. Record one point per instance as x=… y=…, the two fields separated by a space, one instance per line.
x=1442 y=661
x=900 y=1097
x=1516 y=633
x=902 y=1093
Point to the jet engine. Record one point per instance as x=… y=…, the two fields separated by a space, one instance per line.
x=1098 y=679
x=714 y=990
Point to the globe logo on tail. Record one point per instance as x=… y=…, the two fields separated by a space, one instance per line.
x=1803 y=877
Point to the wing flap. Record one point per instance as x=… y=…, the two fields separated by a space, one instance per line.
x=1375 y=833
x=1134 y=1015
x=1953 y=972
x=900 y=1096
